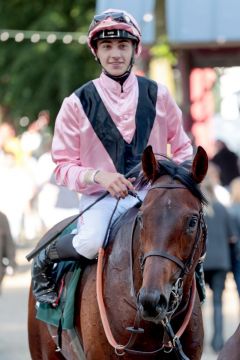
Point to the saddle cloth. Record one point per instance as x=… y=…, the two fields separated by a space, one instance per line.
x=69 y=273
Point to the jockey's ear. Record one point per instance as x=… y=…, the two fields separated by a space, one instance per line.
x=149 y=164
x=199 y=165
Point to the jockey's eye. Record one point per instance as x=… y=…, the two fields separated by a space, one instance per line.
x=192 y=223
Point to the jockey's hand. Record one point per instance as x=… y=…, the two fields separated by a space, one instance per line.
x=115 y=183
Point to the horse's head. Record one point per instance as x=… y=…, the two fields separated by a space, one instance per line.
x=172 y=233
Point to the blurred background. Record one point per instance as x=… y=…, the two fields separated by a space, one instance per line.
x=193 y=47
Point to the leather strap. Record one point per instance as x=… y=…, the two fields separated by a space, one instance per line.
x=167 y=186
x=165 y=255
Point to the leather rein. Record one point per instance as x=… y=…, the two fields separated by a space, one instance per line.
x=174 y=342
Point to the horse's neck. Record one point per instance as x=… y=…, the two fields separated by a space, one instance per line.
x=121 y=256
x=136 y=254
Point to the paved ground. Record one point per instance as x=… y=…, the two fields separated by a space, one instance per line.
x=13 y=313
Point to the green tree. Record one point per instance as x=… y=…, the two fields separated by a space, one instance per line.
x=38 y=76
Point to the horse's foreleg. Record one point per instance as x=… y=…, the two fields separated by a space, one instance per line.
x=94 y=339
x=89 y=324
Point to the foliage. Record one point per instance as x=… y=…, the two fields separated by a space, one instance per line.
x=38 y=76
x=162 y=50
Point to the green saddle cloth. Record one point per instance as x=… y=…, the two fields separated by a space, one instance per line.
x=64 y=312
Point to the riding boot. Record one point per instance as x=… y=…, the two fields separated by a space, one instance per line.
x=200 y=282
x=217 y=340
x=43 y=285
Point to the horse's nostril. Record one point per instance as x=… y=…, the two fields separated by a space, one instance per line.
x=162 y=303
x=152 y=304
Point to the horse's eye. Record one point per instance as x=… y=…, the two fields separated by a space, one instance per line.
x=192 y=222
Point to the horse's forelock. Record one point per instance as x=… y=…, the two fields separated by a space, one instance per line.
x=177 y=172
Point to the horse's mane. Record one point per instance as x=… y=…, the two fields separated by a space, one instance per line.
x=179 y=172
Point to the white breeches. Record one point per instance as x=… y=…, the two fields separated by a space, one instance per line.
x=92 y=225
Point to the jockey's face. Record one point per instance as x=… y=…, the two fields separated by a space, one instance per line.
x=115 y=55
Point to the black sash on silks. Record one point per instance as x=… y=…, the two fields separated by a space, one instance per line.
x=124 y=156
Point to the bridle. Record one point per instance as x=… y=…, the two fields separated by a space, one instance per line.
x=185 y=266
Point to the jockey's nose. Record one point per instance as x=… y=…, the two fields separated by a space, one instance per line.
x=152 y=305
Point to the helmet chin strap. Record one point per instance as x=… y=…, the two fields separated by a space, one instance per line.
x=119 y=78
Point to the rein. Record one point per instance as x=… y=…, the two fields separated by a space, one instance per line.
x=120 y=349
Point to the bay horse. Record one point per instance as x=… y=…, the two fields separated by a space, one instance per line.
x=231 y=349
x=148 y=278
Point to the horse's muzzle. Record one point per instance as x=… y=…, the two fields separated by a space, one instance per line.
x=152 y=305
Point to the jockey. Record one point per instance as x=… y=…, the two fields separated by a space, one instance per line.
x=100 y=133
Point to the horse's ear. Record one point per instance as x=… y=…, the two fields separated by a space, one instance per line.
x=200 y=165
x=149 y=164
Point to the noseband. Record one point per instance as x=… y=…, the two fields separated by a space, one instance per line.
x=185 y=266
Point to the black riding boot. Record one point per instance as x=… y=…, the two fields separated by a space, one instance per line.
x=200 y=282
x=43 y=286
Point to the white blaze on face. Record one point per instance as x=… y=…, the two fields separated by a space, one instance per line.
x=169 y=203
